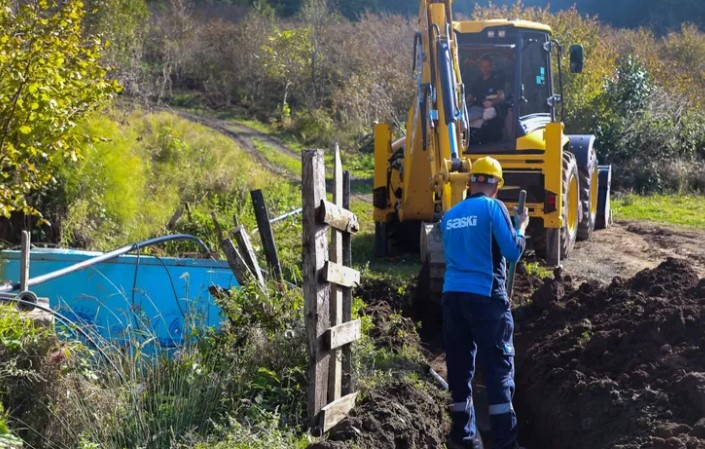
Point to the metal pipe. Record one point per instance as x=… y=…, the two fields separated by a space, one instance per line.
x=441 y=381
x=102 y=258
x=281 y=217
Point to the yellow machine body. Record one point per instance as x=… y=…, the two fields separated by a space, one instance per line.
x=421 y=175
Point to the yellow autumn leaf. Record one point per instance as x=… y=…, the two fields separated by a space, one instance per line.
x=25 y=129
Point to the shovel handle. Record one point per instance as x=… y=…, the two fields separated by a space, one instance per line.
x=521 y=204
x=513 y=265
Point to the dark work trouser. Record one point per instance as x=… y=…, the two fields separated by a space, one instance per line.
x=478 y=325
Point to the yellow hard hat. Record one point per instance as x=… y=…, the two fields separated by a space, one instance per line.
x=487 y=166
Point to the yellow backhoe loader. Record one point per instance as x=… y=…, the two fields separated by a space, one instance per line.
x=420 y=176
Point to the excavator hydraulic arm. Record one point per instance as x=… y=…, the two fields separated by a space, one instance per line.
x=419 y=177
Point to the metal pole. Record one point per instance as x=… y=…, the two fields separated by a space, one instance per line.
x=282 y=217
x=24 y=261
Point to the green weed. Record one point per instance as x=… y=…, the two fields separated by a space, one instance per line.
x=585 y=338
x=265 y=434
x=27 y=377
x=537 y=270
x=7 y=439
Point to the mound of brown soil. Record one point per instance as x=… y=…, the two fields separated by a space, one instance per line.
x=617 y=366
x=400 y=414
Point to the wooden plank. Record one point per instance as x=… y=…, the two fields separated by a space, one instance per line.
x=236 y=262
x=337 y=217
x=316 y=294
x=347 y=386
x=245 y=246
x=265 y=233
x=24 y=260
x=341 y=275
x=335 y=375
x=232 y=255
x=342 y=334
x=336 y=411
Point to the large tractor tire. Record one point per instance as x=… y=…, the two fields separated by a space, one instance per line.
x=572 y=212
x=588 y=196
x=555 y=244
x=604 y=209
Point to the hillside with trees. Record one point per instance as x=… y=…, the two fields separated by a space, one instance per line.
x=660 y=16
x=323 y=78
x=95 y=153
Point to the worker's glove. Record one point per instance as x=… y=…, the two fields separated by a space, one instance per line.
x=522 y=218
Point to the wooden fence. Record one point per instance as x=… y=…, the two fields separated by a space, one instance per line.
x=328 y=282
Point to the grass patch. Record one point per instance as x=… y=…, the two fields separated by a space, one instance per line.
x=360 y=165
x=679 y=210
x=286 y=137
x=397 y=271
x=288 y=163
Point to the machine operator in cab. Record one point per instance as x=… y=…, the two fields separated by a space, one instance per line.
x=478 y=240
x=486 y=92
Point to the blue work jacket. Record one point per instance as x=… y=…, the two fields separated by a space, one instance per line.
x=478 y=236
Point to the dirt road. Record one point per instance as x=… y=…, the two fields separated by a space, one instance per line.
x=629 y=247
x=245 y=137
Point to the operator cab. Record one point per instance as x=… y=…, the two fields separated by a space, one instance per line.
x=520 y=55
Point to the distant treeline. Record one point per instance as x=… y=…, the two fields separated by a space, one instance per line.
x=324 y=78
x=331 y=68
x=662 y=16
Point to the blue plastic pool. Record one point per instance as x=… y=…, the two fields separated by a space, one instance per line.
x=154 y=298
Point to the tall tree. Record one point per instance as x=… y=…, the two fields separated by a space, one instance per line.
x=174 y=31
x=50 y=75
x=287 y=58
x=317 y=15
x=124 y=24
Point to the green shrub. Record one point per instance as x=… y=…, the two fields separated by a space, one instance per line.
x=233 y=384
x=265 y=434
x=264 y=327
x=655 y=142
x=28 y=378
x=315 y=127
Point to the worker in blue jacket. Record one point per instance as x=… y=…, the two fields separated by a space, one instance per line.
x=478 y=239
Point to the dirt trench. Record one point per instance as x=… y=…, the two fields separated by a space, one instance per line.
x=610 y=352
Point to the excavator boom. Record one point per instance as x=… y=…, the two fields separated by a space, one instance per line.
x=418 y=177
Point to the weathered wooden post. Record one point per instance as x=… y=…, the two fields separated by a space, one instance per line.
x=326 y=278
x=236 y=261
x=335 y=256
x=245 y=246
x=347 y=293
x=265 y=232
x=316 y=294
